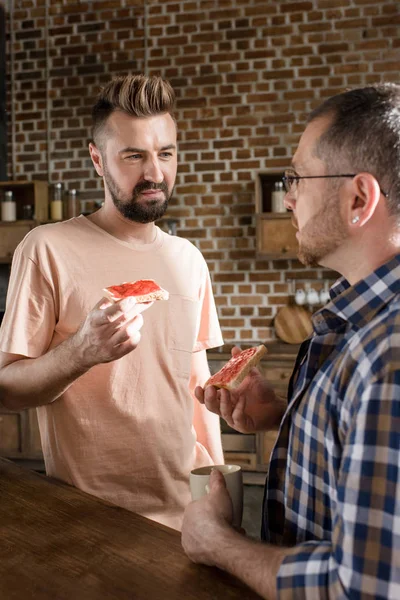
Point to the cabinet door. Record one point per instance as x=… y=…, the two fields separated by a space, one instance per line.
x=276 y=236
x=10 y=434
x=11 y=234
x=278 y=374
x=35 y=445
x=19 y=435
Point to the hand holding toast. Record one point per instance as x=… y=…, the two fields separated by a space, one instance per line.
x=110 y=330
x=252 y=406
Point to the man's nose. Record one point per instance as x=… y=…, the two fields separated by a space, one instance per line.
x=153 y=172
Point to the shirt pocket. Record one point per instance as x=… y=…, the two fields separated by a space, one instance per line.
x=183 y=321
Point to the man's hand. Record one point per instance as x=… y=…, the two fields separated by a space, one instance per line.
x=209 y=538
x=110 y=330
x=253 y=406
x=205 y=519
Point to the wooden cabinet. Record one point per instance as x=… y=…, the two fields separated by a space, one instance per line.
x=19 y=432
x=11 y=234
x=275 y=234
x=252 y=451
x=31 y=195
x=20 y=437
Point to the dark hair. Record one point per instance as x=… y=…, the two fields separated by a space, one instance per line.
x=364 y=135
x=135 y=95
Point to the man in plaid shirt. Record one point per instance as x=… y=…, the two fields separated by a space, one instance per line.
x=331 y=516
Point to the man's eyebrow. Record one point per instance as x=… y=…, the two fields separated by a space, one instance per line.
x=169 y=147
x=132 y=150
x=295 y=166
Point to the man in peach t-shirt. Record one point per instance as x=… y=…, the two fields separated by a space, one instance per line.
x=114 y=388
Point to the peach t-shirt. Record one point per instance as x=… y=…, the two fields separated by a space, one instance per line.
x=123 y=431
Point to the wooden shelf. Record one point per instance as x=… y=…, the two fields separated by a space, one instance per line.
x=275 y=234
x=265 y=181
x=33 y=193
x=29 y=222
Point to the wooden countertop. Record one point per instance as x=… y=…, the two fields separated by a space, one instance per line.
x=58 y=543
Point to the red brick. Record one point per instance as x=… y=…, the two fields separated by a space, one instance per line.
x=252 y=300
x=241 y=107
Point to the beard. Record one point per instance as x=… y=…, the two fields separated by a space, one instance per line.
x=322 y=235
x=130 y=207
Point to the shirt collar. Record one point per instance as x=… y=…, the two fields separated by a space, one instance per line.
x=359 y=303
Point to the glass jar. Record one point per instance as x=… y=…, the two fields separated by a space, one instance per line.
x=8 y=207
x=27 y=212
x=56 y=205
x=278 y=197
x=72 y=209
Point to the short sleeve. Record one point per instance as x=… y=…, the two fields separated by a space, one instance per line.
x=29 y=320
x=209 y=332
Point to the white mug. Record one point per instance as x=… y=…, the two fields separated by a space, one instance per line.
x=300 y=297
x=199 y=486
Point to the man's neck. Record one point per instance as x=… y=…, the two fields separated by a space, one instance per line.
x=123 y=229
x=356 y=262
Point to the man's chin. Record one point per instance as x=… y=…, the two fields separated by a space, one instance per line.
x=142 y=214
x=308 y=257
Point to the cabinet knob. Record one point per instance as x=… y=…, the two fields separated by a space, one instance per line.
x=285 y=249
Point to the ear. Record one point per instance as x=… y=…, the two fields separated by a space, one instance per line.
x=97 y=160
x=366 y=194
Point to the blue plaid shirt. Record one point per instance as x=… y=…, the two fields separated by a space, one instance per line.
x=333 y=487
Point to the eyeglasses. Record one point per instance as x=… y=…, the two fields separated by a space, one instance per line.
x=291 y=180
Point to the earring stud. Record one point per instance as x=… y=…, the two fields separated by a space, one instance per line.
x=355 y=219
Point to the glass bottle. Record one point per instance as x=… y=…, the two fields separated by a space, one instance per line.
x=72 y=204
x=277 y=198
x=8 y=207
x=56 y=205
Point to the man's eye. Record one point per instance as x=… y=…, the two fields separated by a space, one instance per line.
x=166 y=154
x=134 y=156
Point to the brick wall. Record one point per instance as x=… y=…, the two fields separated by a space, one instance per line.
x=246 y=73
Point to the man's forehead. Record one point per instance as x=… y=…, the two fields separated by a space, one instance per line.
x=138 y=131
x=119 y=120
x=308 y=140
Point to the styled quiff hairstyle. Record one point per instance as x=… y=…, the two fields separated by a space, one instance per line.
x=364 y=135
x=136 y=95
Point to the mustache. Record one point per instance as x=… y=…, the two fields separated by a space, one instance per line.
x=150 y=185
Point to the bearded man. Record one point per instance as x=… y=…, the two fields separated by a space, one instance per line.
x=117 y=418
